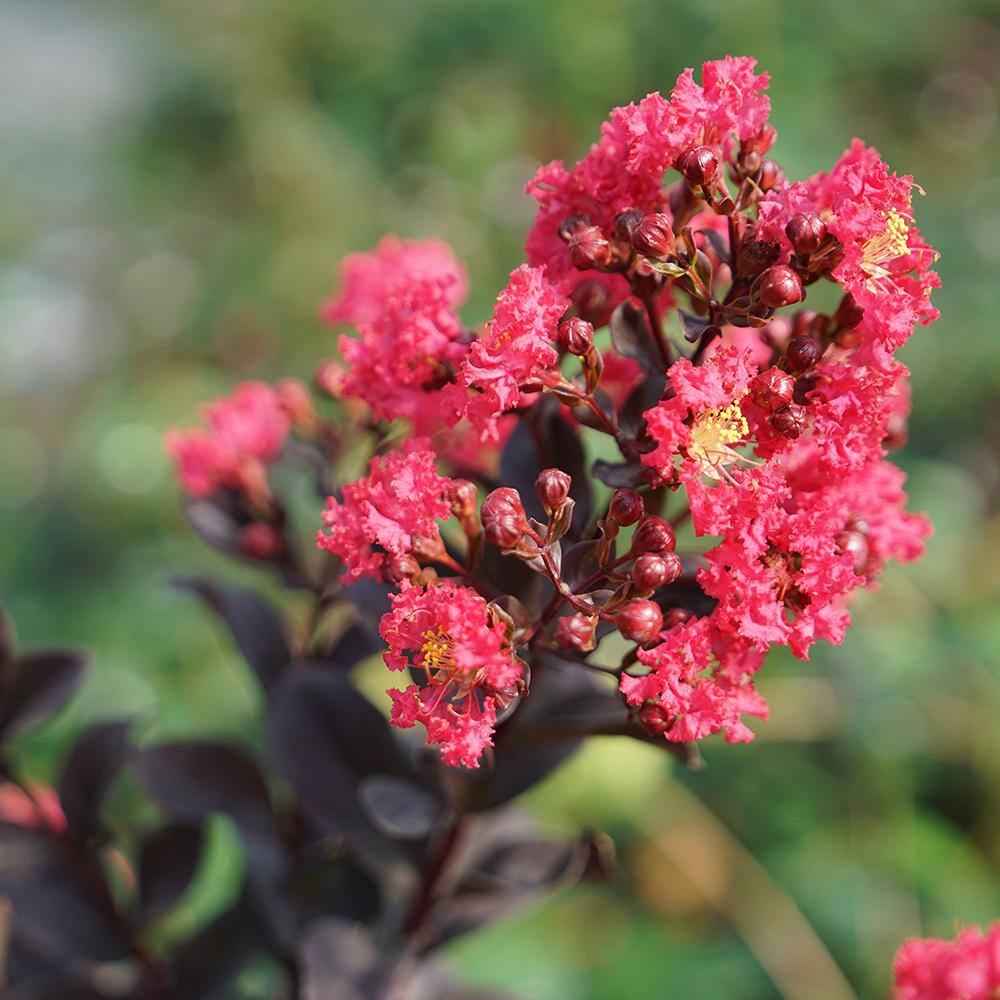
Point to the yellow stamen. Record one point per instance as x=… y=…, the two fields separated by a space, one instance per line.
x=712 y=433
x=436 y=650
x=887 y=246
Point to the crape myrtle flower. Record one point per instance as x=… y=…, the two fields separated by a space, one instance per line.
x=624 y=170
x=450 y=633
x=886 y=264
x=244 y=433
x=403 y=299
x=518 y=346
x=966 y=968
x=392 y=511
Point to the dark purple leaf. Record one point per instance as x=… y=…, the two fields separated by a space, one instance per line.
x=579 y=561
x=692 y=325
x=325 y=738
x=43 y=682
x=398 y=807
x=168 y=861
x=94 y=762
x=617 y=474
x=356 y=643
x=60 y=916
x=642 y=398
x=254 y=623
x=191 y=780
x=632 y=338
x=214 y=525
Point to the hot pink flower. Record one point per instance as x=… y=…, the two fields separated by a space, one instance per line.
x=246 y=432
x=886 y=264
x=448 y=632
x=624 y=169
x=967 y=968
x=704 y=419
x=517 y=346
x=395 y=507
x=369 y=280
x=702 y=682
x=402 y=298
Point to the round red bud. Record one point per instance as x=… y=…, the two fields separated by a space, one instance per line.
x=699 y=165
x=654 y=535
x=802 y=354
x=806 y=232
x=780 y=286
x=790 y=421
x=654 y=237
x=588 y=249
x=591 y=301
x=771 y=175
x=575 y=336
x=552 y=487
x=626 y=507
x=576 y=631
x=503 y=517
x=399 y=568
x=260 y=541
x=654 y=718
x=626 y=222
x=772 y=389
x=640 y=621
x=570 y=225
x=654 y=570
x=676 y=616
x=854 y=543
x=849 y=314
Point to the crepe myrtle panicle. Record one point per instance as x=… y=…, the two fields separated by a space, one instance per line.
x=592 y=509
x=750 y=486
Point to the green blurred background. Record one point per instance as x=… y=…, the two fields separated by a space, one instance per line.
x=180 y=178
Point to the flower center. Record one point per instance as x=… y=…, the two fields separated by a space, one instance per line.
x=712 y=433
x=885 y=247
x=436 y=652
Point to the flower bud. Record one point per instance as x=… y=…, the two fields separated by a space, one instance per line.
x=591 y=301
x=806 y=232
x=577 y=632
x=588 y=249
x=640 y=621
x=570 y=225
x=260 y=541
x=780 y=286
x=576 y=336
x=297 y=403
x=790 y=421
x=625 y=224
x=398 y=568
x=626 y=507
x=755 y=256
x=503 y=517
x=552 y=487
x=654 y=535
x=699 y=165
x=762 y=141
x=676 y=616
x=804 y=385
x=771 y=175
x=654 y=570
x=802 y=354
x=329 y=379
x=849 y=314
x=771 y=390
x=653 y=236
x=654 y=718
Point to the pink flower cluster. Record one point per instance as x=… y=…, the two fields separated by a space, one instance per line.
x=447 y=632
x=967 y=968
x=395 y=507
x=245 y=433
x=403 y=298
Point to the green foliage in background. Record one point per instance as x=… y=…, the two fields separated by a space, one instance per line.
x=180 y=180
